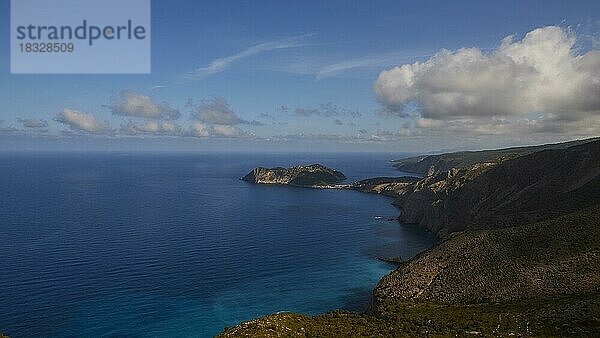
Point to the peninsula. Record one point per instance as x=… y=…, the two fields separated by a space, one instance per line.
x=519 y=250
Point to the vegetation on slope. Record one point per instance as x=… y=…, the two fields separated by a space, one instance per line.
x=553 y=258
x=557 y=291
x=434 y=164
x=567 y=316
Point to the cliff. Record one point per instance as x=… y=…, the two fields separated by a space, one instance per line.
x=522 y=190
x=314 y=175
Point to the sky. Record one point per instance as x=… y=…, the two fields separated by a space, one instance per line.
x=419 y=76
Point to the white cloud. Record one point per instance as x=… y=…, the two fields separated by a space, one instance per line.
x=499 y=91
x=151 y=127
x=221 y=64
x=82 y=122
x=200 y=130
x=33 y=123
x=136 y=105
x=370 y=61
x=7 y=130
x=327 y=110
x=204 y=130
x=217 y=119
x=227 y=131
x=215 y=111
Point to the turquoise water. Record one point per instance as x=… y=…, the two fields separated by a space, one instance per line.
x=156 y=245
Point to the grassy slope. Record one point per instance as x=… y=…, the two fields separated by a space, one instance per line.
x=563 y=239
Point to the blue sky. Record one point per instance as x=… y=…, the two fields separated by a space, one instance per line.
x=300 y=75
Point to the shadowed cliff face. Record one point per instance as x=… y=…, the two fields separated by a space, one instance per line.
x=522 y=190
x=314 y=175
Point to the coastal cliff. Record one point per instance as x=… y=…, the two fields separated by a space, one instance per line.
x=503 y=193
x=519 y=253
x=314 y=175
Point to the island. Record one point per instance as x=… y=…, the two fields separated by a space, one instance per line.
x=314 y=175
x=518 y=251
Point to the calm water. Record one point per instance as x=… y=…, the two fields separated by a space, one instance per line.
x=175 y=245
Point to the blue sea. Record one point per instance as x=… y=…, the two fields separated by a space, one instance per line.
x=175 y=245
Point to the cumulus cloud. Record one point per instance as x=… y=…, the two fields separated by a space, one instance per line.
x=200 y=130
x=136 y=105
x=33 y=123
x=215 y=111
x=204 y=130
x=7 y=130
x=327 y=110
x=266 y=116
x=166 y=128
x=256 y=123
x=227 y=131
x=82 y=122
x=217 y=119
x=540 y=83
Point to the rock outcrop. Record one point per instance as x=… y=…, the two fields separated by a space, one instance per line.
x=314 y=175
x=497 y=194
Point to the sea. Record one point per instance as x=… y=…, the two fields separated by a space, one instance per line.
x=176 y=245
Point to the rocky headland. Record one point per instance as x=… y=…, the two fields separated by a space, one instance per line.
x=314 y=175
x=519 y=251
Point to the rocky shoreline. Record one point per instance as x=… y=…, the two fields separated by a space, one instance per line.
x=520 y=229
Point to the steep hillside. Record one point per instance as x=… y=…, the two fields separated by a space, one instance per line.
x=522 y=190
x=554 y=258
